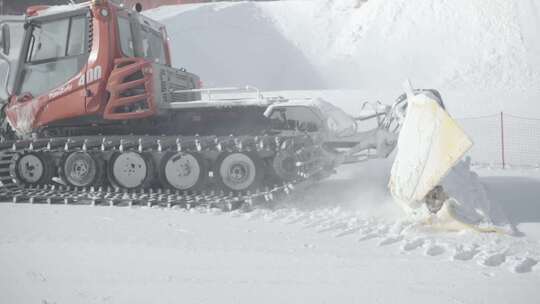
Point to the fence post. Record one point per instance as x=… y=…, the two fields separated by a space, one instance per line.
x=502 y=140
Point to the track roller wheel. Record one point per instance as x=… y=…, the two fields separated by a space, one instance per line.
x=182 y=171
x=239 y=171
x=130 y=170
x=34 y=169
x=284 y=165
x=286 y=159
x=81 y=169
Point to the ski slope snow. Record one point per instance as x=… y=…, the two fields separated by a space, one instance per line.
x=343 y=239
x=481 y=54
x=308 y=254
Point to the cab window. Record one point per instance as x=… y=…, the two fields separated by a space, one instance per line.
x=126 y=36
x=152 y=45
x=48 y=41
x=56 y=51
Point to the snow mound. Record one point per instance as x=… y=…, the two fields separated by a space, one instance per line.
x=471 y=200
x=482 y=55
x=234 y=44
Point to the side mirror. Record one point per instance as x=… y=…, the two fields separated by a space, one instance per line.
x=138 y=7
x=5 y=42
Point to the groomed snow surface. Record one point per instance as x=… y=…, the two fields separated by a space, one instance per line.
x=343 y=240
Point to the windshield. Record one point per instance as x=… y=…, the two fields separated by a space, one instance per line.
x=56 y=51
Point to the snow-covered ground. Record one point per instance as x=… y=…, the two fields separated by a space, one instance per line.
x=343 y=239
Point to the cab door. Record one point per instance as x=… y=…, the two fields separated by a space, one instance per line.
x=11 y=39
x=48 y=83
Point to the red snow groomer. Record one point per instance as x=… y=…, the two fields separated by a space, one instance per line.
x=96 y=114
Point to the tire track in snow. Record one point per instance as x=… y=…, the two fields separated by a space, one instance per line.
x=407 y=236
x=413 y=244
x=465 y=254
x=492 y=259
x=391 y=239
x=434 y=249
x=523 y=265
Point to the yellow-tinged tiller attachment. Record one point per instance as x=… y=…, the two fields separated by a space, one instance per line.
x=430 y=143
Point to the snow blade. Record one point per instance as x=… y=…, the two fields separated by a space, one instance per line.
x=430 y=143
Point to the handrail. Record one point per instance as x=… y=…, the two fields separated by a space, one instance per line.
x=209 y=91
